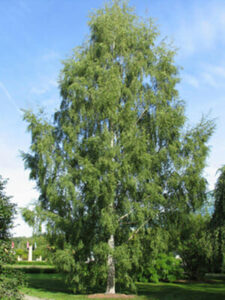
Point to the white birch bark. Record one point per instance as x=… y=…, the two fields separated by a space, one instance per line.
x=110 y=289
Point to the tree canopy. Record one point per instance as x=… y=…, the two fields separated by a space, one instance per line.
x=218 y=222
x=7 y=211
x=9 y=279
x=219 y=194
x=118 y=159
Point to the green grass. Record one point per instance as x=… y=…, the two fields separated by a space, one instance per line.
x=51 y=286
x=185 y=291
x=33 y=268
x=29 y=263
x=30 y=266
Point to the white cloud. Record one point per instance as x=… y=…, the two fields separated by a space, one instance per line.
x=9 y=97
x=23 y=193
x=209 y=80
x=217 y=70
x=212 y=75
x=191 y=80
x=202 y=28
x=44 y=87
x=19 y=186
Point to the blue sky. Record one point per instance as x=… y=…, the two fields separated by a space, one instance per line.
x=36 y=35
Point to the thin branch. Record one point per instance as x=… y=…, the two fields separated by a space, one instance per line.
x=141 y=115
x=136 y=231
x=126 y=215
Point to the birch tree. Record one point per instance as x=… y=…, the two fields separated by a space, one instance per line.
x=117 y=155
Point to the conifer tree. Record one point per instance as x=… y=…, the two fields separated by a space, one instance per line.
x=117 y=155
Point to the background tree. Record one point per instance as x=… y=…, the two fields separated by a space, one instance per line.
x=9 y=280
x=7 y=211
x=117 y=158
x=218 y=222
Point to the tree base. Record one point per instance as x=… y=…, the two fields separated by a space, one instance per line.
x=110 y=296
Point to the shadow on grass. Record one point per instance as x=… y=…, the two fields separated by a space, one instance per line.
x=183 y=291
x=53 y=283
x=215 y=290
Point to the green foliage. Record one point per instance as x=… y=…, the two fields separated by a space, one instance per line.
x=34 y=218
x=218 y=223
x=7 y=211
x=164 y=267
x=195 y=246
x=157 y=262
x=22 y=253
x=117 y=159
x=153 y=243
x=81 y=276
x=219 y=194
x=9 y=280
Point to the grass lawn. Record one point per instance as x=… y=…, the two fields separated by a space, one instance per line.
x=30 y=266
x=51 y=286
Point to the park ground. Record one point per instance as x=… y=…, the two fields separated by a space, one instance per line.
x=51 y=286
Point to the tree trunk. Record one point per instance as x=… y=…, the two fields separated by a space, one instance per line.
x=110 y=289
x=111 y=269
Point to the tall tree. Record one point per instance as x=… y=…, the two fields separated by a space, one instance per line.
x=218 y=221
x=117 y=155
